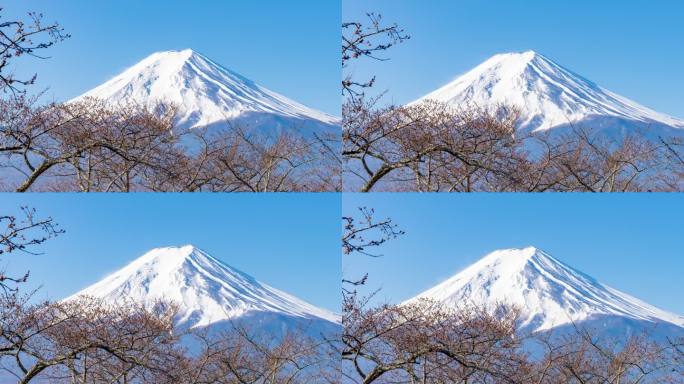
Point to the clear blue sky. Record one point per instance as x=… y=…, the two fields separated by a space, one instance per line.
x=632 y=242
x=289 y=241
x=291 y=47
x=633 y=48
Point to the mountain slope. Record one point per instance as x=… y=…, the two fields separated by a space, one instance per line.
x=549 y=96
x=549 y=293
x=207 y=291
x=206 y=93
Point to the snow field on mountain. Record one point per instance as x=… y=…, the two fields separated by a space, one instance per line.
x=206 y=290
x=549 y=293
x=547 y=95
x=205 y=92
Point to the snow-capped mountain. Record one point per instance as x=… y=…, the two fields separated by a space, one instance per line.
x=207 y=292
x=550 y=96
x=207 y=94
x=550 y=294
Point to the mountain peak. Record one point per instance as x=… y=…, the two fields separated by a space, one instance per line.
x=524 y=252
x=524 y=55
x=169 y=257
x=514 y=260
x=186 y=249
x=171 y=60
x=187 y=52
x=180 y=55
x=206 y=290
x=548 y=292
x=511 y=63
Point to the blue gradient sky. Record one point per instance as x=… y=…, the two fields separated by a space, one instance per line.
x=291 y=47
x=633 y=48
x=632 y=242
x=289 y=241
